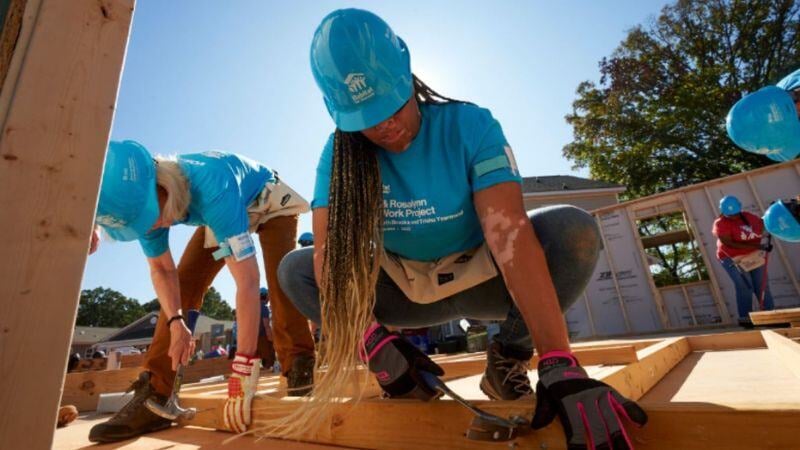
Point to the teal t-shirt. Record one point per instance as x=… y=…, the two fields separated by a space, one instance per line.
x=427 y=189
x=222 y=185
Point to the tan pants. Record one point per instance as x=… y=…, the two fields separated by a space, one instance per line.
x=197 y=270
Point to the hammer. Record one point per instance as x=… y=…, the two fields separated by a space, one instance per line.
x=172 y=410
x=485 y=426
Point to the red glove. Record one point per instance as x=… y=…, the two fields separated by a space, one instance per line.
x=242 y=386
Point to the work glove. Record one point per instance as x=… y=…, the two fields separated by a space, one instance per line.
x=242 y=386
x=396 y=364
x=589 y=410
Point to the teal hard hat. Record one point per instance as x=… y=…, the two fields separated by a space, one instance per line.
x=362 y=68
x=790 y=82
x=730 y=205
x=781 y=220
x=765 y=122
x=306 y=237
x=128 y=204
x=263 y=292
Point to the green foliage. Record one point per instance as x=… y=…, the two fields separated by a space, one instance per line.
x=656 y=119
x=102 y=307
x=673 y=263
x=215 y=307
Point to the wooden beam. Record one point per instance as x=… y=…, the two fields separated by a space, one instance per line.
x=61 y=91
x=409 y=424
x=775 y=317
x=613 y=268
x=670 y=237
x=83 y=389
x=635 y=379
x=716 y=292
x=726 y=341
x=786 y=350
x=659 y=301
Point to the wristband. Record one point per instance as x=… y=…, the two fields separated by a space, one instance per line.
x=179 y=316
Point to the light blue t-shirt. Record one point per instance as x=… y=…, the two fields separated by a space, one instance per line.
x=427 y=189
x=222 y=185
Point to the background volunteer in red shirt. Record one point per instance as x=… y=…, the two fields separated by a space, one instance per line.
x=740 y=233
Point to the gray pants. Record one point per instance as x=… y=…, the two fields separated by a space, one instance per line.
x=571 y=245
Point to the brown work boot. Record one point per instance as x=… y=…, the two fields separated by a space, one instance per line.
x=300 y=378
x=506 y=376
x=134 y=418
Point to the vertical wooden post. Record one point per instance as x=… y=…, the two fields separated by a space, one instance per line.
x=589 y=313
x=613 y=268
x=662 y=310
x=60 y=96
x=716 y=292
x=689 y=304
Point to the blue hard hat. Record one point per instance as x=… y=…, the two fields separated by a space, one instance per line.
x=730 y=205
x=781 y=222
x=128 y=204
x=790 y=82
x=362 y=68
x=306 y=237
x=765 y=122
x=263 y=292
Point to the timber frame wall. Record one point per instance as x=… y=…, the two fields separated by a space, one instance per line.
x=622 y=299
x=56 y=107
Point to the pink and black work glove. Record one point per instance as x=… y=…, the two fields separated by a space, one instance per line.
x=396 y=364
x=242 y=386
x=590 y=411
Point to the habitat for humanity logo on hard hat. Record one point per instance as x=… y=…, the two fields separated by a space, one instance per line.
x=357 y=85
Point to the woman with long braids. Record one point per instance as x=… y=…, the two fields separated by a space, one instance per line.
x=417 y=205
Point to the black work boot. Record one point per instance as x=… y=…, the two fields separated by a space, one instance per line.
x=134 y=418
x=300 y=378
x=506 y=376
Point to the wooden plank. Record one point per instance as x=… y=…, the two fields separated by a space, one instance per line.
x=659 y=301
x=635 y=379
x=775 y=317
x=408 y=424
x=83 y=389
x=132 y=360
x=613 y=267
x=716 y=292
x=55 y=130
x=726 y=341
x=670 y=237
x=787 y=351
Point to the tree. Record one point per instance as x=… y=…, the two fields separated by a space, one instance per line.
x=656 y=120
x=213 y=306
x=102 y=307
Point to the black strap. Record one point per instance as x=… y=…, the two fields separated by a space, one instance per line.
x=179 y=316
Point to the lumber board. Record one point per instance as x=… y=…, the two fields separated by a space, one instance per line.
x=727 y=341
x=787 y=351
x=83 y=389
x=56 y=113
x=407 y=424
x=774 y=317
x=635 y=379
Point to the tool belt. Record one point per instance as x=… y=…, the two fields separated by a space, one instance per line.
x=750 y=261
x=430 y=281
x=275 y=200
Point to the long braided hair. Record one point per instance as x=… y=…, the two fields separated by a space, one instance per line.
x=350 y=270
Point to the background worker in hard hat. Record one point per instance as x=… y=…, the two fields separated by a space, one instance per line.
x=306 y=239
x=739 y=246
x=228 y=197
x=767 y=122
x=266 y=349
x=428 y=186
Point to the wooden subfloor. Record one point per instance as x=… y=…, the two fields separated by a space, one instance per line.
x=76 y=436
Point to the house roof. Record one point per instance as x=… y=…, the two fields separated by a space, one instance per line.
x=552 y=183
x=144 y=328
x=90 y=335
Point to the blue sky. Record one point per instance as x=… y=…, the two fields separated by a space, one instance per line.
x=234 y=76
